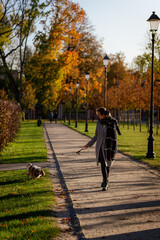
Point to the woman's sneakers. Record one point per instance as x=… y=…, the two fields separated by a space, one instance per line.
x=104 y=186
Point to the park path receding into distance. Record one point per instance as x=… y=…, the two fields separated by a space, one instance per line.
x=128 y=210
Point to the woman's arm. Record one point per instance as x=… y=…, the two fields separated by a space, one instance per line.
x=92 y=141
x=118 y=130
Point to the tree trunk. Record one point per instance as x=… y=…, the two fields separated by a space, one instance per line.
x=157 y=120
x=123 y=118
x=128 y=118
x=13 y=86
x=140 y=124
x=136 y=112
x=134 y=120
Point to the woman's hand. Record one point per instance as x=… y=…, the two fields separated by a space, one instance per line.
x=84 y=148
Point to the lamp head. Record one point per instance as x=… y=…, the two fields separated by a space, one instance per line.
x=106 y=61
x=153 y=22
x=87 y=75
x=77 y=84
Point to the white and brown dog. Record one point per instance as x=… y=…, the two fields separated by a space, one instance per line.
x=34 y=171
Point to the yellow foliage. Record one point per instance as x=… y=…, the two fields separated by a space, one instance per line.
x=4 y=29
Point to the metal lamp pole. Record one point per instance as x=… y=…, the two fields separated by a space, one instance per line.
x=105 y=62
x=76 y=122
x=69 y=105
x=87 y=78
x=65 y=93
x=153 y=25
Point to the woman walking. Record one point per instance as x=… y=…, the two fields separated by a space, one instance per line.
x=106 y=142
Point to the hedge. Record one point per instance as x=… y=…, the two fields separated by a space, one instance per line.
x=9 y=121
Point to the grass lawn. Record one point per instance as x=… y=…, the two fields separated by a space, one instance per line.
x=29 y=146
x=26 y=207
x=132 y=142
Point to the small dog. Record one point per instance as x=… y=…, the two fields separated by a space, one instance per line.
x=34 y=171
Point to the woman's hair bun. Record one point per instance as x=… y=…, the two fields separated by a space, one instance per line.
x=103 y=111
x=107 y=112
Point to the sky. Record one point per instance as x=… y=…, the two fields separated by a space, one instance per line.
x=122 y=24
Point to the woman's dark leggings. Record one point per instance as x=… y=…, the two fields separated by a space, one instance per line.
x=104 y=168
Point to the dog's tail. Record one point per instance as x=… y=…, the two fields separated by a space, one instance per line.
x=42 y=173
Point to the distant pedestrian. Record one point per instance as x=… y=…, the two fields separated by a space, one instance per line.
x=106 y=142
x=50 y=117
x=55 y=117
x=93 y=118
x=39 y=121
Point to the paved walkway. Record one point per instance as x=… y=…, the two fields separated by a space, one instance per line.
x=128 y=210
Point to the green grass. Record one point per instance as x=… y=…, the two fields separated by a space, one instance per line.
x=26 y=207
x=29 y=145
x=132 y=142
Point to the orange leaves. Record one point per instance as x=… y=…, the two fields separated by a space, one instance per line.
x=63 y=52
x=4 y=225
x=6 y=211
x=66 y=220
x=24 y=221
x=29 y=98
x=62 y=195
x=71 y=59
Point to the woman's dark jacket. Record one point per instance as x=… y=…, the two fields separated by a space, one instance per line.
x=111 y=136
x=100 y=138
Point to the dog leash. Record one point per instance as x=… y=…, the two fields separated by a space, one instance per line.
x=71 y=154
x=78 y=152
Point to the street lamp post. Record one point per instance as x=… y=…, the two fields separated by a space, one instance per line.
x=76 y=122
x=69 y=105
x=87 y=78
x=105 y=62
x=153 y=25
x=65 y=93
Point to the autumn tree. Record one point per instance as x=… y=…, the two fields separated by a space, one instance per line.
x=117 y=70
x=3 y=94
x=64 y=50
x=20 y=17
x=5 y=27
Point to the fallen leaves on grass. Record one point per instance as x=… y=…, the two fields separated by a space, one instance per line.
x=25 y=221
x=4 y=225
x=12 y=194
x=6 y=237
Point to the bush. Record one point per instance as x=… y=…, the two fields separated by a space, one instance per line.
x=9 y=121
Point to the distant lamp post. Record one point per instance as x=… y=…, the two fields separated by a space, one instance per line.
x=153 y=27
x=77 y=87
x=65 y=93
x=87 y=78
x=105 y=62
x=69 y=105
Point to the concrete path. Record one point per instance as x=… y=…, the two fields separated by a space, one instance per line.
x=128 y=210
